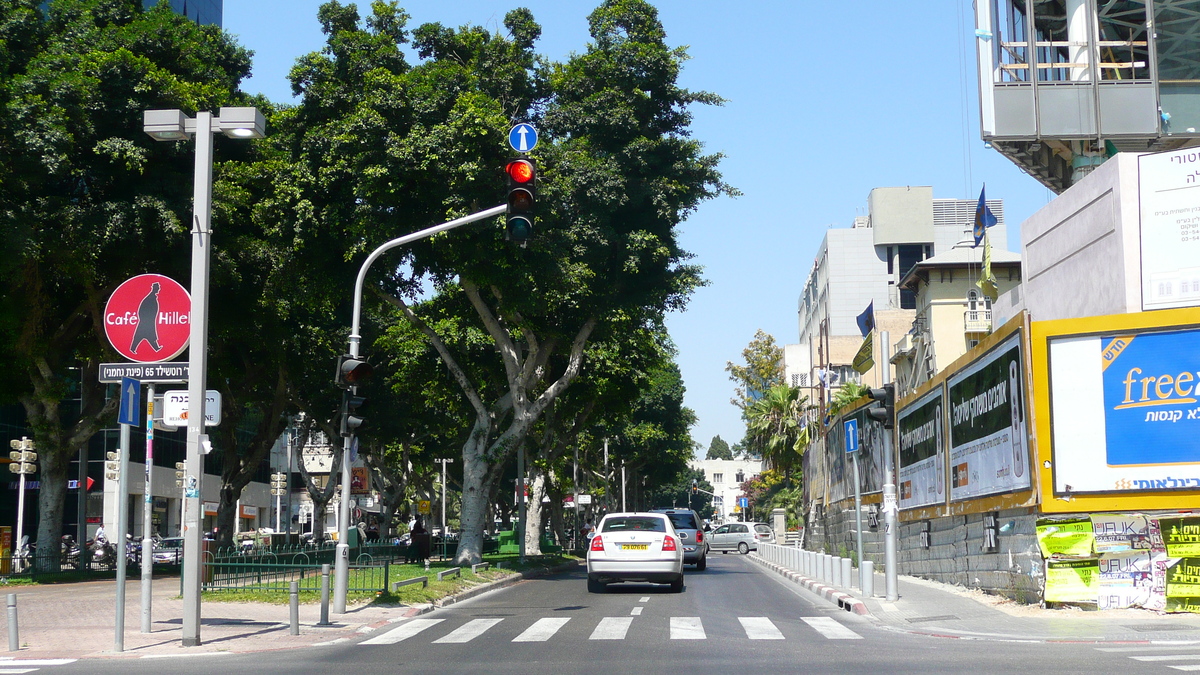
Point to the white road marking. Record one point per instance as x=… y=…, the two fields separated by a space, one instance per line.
x=468 y=631
x=644 y=598
x=1194 y=666
x=830 y=628
x=612 y=628
x=1168 y=657
x=5 y=662
x=402 y=632
x=542 y=630
x=687 y=628
x=16 y=671
x=760 y=628
x=331 y=642
x=637 y=611
x=184 y=656
x=1168 y=646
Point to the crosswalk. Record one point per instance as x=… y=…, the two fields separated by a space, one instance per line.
x=607 y=628
x=1184 y=656
x=12 y=666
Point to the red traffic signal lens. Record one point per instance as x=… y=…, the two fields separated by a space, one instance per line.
x=520 y=170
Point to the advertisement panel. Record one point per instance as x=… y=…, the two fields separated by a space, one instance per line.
x=1169 y=191
x=988 y=440
x=872 y=436
x=1072 y=581
x=1125 y=412
x=1126 y=580
x=922 y=479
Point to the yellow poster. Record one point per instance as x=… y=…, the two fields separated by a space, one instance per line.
x=1071 y=580
x=1065 y=536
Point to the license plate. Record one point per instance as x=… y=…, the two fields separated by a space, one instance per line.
x=634 y=547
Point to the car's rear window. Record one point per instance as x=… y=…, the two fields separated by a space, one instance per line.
x=764 y=529
x=634 y=523
x=683 y=521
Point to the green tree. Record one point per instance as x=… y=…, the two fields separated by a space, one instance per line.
x=846 y=395
x=718 y=449
x=777 y=426
x=762 y=369
x=86 y=198
x=618 y=173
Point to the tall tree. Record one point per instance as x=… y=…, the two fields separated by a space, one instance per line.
x=761 y=370
x=718 y=449
x=405 y=147
x=86 y=198
x=776 y=426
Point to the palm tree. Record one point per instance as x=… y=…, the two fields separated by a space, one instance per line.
x=846 y=394
x=776 y=425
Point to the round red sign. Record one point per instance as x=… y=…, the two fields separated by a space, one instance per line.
x=148 y=318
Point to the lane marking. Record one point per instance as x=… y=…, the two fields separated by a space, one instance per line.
x=637 y=611
x=1195 y=666
x=644 y=598
x=402 y=632
x=16 y=671
x=830 y=628
x=760 y=628
x=1168 y=657
x=687 y=628
x=331 y=642
x=542 y=630
x=468 y=631
x=5 y=662
x=612 y=628
x=1148 y=648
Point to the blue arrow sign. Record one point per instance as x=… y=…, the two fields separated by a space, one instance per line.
x=851 y=436
x=523 y=137
x=131 y=398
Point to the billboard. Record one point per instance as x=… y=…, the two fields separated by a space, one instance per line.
x=840 y=465
x=1169 y=192
x=1125 y=412
x=989 y=450
x=921 y=479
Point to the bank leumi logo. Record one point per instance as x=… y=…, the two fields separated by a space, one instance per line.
x=148 y=318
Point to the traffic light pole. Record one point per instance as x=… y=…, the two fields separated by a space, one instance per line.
x=891 y=506
x=342 y=559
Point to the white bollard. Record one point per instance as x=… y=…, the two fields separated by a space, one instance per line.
x=847 y=573
x=868 y=579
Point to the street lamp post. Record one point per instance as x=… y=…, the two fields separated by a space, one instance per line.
x=444 y=461
x=173 y=125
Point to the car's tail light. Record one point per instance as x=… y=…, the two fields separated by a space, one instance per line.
x=669 y=543
x=699 y=536
x=597 y=544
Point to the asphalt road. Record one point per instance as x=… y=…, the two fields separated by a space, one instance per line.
x=731 y=618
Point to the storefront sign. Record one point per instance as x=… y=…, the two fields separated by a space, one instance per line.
x=1169 y=195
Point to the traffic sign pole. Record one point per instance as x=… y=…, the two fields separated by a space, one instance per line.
x=148 y=516
x=122 y=528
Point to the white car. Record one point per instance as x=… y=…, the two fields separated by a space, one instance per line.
x=635 y=547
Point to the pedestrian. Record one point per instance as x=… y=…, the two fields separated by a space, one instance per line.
x=586 y=529
x=100 y=534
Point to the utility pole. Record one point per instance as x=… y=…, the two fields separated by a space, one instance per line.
x=444 y=461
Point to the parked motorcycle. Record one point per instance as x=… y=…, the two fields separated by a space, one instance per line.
x=103 y=553
x=69 y=552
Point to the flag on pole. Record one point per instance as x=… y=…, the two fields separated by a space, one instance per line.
x=866 y=320
x=987 y=281
x=984 y=218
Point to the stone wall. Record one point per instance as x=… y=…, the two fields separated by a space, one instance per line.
x=955 y=553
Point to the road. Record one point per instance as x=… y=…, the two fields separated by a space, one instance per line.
x=733 y=617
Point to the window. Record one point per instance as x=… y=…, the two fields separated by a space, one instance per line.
x=741 y=477
x=976 y=302
x=718 y=478
x=635 y=523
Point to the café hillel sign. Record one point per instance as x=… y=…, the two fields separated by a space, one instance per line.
x=147 y=320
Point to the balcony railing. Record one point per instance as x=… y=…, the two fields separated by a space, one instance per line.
x=977 y=321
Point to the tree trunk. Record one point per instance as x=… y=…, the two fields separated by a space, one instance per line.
x=476 y=507
x=51 y=497
x=227 y=516
x=533 y=514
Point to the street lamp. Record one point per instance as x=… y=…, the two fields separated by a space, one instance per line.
x=173 y=125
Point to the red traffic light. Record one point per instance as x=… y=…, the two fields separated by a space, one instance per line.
x=520 y=171
x=352 y=371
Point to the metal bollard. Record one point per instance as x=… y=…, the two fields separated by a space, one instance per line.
x=324 y=596
x=295 y=603
x=14 y=641
x=867 y=583
x=847 y=573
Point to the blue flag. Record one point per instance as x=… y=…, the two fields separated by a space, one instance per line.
x=984 y=218
x=866 y=320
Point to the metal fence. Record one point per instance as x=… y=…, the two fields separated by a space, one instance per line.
x=273 y=569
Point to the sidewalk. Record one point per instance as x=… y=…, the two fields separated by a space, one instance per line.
x=930 y=608
x=78 y=620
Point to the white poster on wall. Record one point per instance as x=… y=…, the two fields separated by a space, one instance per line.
x=989 y=450
x=922 y=476
x=1169 y=190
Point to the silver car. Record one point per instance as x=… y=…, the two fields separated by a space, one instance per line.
x=740 y=537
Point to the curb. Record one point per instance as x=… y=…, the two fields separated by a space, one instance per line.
x=842 y=600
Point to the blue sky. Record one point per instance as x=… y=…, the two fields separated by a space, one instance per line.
x=825 y=101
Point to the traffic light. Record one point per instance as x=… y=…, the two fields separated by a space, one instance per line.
x=694 y=486
x=885 y=410
x=350 y=422
x=279 y=484
x=352 y=371
x=522 y=174
x=112 y=467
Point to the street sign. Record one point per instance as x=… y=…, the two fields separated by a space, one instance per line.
x=158 y=373
x=523 y=137
x=743 y=502
x=148 y=318
x=851 y=436
x=131 y=399
x=585 y=499
x=175 y=408
x=423 y=506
